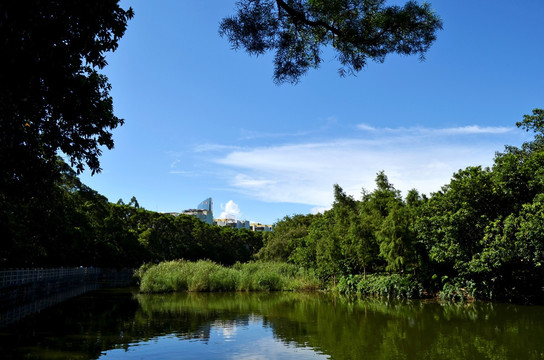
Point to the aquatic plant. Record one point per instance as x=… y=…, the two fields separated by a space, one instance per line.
x=207 y=276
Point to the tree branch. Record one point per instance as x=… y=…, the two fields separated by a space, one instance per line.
x=301 y=17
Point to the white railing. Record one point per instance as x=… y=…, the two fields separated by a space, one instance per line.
x=15 y=277
x=26 y=291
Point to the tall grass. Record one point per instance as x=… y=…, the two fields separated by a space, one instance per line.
x=204 y=275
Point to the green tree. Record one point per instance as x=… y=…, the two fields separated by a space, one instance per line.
x=455 y=219
x=396 y=239
x=367 y=244
x=358 y=30
x=287 y=235
x=534 y=122
x=483 y=230
x=377 y=222
x=509 y=266
x=344 y=229
x=305 y=251
x=52 y=96
x=52 y=100
x=329 y=258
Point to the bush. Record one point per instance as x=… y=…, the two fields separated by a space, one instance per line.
x=391 y=286
x=457 y=289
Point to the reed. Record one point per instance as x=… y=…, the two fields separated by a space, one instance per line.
x=207 y=276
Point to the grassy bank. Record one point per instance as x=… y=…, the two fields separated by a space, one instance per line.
x=206 y=276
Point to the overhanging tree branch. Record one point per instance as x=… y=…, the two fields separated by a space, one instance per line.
x=301 y=17
x=357 y=30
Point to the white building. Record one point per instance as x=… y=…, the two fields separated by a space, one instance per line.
x=235 y=224
x=261 y=227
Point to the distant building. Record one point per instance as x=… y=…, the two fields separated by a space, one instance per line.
x=261 y=227
x=203 y=212
x=203 y=215
x=235 y=224
x=206 y=205
x=173 y=213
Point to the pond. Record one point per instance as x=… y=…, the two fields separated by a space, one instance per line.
x=122 y=324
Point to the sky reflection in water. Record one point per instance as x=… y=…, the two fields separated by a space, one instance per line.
x=244 y=340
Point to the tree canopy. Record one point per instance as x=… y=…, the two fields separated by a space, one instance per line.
x=52 y=98
x=358 y=30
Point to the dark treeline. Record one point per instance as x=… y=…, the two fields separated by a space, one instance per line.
x=481 y=235
x=69 y=224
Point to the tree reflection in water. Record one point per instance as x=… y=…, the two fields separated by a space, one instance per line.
x=124 y=325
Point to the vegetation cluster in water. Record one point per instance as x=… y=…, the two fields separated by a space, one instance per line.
x=207 y=276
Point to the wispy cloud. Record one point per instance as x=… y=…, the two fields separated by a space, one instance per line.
x=244 y=181
x=174 y=164
x=251 y=134
x=214 y=147
x=365 y=127
x=305 y=172
x=461 y=130
x=181 y=172
x=473 y=129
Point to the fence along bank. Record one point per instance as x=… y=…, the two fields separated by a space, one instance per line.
x=24 y=292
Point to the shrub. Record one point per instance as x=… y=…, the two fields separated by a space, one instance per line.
x=392 y=286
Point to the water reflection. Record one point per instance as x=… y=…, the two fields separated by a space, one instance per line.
x=124 y=325
x=246 y=339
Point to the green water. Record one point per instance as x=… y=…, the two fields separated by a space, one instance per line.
x=121 y=324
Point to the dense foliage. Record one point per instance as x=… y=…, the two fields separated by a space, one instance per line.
x=77 y=226
x=53 y=97
x=357 y=30
x=481 y=235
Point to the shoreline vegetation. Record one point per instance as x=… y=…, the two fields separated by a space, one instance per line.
x=267 y=276
x=263 y=276
x=208 y=276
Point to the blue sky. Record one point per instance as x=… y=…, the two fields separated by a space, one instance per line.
x=204 y=121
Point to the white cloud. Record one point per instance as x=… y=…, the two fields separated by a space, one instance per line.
x=365 y=127
x=182 y=172
x=461 y=130
x=230 y=211
x=474 y=129
x=242 y=180
x=424 y=159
